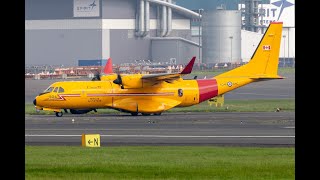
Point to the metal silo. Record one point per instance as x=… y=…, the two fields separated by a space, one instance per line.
x=221 y=36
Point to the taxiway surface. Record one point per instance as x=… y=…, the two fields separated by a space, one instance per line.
x=218 y=128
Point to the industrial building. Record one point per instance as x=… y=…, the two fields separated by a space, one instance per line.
x=221 y=38
x=254 y=19
x=256 y=16
x=63 y=32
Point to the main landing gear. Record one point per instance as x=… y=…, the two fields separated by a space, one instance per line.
x=145 y=114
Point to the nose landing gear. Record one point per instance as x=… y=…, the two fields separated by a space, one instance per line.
x=59 y=114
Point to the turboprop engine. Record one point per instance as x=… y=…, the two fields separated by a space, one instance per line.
x=129 y=81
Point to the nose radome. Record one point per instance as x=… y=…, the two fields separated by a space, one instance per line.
x=35 y=102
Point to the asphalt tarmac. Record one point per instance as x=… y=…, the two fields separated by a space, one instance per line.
x=203 y=128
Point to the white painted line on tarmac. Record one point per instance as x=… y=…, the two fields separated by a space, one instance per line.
x=156 y=136
x=263 y=94
x=290 y=127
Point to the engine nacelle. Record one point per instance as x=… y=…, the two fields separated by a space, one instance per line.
x=109 y=77
x=130 y=81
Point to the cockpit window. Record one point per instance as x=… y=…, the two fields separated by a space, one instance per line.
x=49 y=89
x=56 y=89
x=61 y=90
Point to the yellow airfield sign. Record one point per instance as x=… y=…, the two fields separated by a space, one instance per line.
x=91 y=140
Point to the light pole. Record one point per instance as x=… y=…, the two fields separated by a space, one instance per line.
x=288 y=45
x=284 y=50
x=231 y=37
x=200 y=34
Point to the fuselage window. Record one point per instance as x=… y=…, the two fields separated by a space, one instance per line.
x=56 y=89
x=61 y=90
x=49 y=89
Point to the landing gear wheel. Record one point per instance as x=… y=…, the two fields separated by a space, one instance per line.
x=145 y=114
x=134 y=114
x=157 y=114
x=59 y=114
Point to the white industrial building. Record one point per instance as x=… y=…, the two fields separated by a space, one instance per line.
x=250 y=40
x=283 y=11
x=66 y=31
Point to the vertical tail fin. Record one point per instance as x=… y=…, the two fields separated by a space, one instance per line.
x=108 y=68
x=264 y=62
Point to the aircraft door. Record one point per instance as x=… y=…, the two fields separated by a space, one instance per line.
x=109 y=92
x=188 y=94
x=98 y=94
x=181 y=94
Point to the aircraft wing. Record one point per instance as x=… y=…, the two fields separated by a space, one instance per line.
x=161 y=76
x=170 y=76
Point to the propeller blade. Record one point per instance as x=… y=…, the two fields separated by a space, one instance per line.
x=96 y=77
x=118 y=80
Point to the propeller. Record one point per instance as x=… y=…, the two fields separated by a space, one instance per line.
x=118 y=81
x=96 y=77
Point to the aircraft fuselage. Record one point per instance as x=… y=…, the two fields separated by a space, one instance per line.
x=158 y=97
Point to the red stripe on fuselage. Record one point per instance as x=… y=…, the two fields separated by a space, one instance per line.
x=208 y=88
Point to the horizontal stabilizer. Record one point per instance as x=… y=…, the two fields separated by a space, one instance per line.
x=261 y=77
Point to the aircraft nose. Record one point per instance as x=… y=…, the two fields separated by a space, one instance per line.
x=35 y=102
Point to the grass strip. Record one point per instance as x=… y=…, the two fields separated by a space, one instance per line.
x=159 y=162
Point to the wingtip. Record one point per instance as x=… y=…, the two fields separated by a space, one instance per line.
x=188 y=68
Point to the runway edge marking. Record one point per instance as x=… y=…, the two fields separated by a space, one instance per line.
x=159 y=136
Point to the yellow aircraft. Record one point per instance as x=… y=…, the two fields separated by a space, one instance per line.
x=155 y=93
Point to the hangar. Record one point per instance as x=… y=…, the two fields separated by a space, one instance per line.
x=65 y=31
